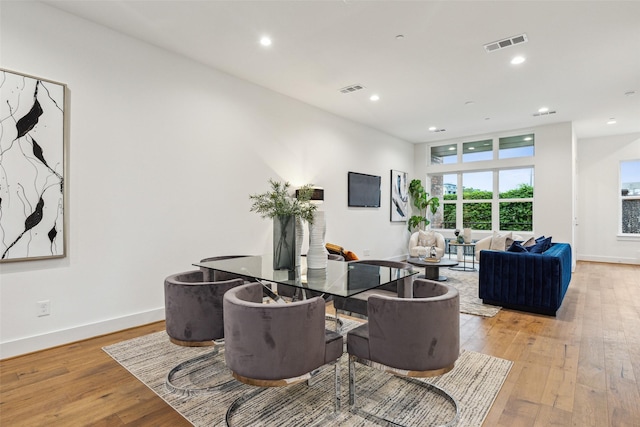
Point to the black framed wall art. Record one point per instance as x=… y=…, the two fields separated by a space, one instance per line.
x=33 y=147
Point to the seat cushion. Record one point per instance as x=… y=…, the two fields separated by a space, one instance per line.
x=333 y=346
x=358 y=342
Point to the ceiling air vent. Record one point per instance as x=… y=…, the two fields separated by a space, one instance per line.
x=546 y=113
x=352 y=88
x=501 y=44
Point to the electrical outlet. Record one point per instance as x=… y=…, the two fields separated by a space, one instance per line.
x=43 y=308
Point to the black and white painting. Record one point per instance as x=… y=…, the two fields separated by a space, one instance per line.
x=32 y=167
x=399 y=196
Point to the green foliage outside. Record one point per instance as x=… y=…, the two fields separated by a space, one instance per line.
x=517 y=216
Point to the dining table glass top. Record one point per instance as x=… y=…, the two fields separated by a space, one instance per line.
x=339 y=278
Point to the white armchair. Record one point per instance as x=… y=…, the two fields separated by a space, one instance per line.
x=422 y=241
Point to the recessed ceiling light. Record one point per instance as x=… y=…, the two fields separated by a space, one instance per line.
x=612 y=121
x=518 y=60
x=433 y=128
x=543 y=109
x=265 y=41
x=374 y=97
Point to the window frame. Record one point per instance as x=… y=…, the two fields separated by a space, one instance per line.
x=621 y=199
x=495 y=165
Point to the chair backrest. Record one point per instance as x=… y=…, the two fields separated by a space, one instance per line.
x=414 y=240
x=393 y=286
x=193 y=306
x=214 y=275
x=272 y=341
x=417 y=334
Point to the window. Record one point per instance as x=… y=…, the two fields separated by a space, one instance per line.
x=516 y=146
x=630 y=197
x=492 y=198
x=476 y=151
x=516 y=199
x=444 y=154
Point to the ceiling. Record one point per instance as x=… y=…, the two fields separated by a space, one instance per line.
x=581 y=58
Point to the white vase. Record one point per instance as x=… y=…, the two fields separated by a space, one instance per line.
x=466 y=233
x=299 y=238
x=317 y=254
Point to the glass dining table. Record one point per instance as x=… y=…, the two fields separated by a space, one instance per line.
x=340 y=278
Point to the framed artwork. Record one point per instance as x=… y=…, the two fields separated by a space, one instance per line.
x=32 y=167
x=399 y=196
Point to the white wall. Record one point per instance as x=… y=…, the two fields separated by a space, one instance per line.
x=163 y=155
x=599 y=202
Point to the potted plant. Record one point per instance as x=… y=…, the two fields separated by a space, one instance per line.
x=421 y=201
x=287 y=213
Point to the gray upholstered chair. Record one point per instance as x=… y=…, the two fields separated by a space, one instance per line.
x=194 y=318
x=193 y=308
x=358 y=303
x=417 y=337
x=271 y=345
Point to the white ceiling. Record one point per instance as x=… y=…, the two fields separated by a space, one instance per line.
x=581 y=57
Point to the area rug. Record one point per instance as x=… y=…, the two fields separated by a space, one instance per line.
x=474 y=383
x=466 y=282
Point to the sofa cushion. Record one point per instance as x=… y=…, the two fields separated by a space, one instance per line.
x=499 y=241
x=529 y=242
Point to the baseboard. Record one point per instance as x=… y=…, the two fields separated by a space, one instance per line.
x=65 y=336
x=608 y=259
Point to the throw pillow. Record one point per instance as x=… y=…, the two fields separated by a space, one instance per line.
x=350 y=256
x=499 y=241
x=541 y=245
x=517 y=247
x=529 y=242
x=426 y=238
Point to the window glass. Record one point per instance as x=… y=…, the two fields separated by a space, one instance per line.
x=444 y=154
x=449 y=216
x=631 y=216
x=630 y=178
x=477 y=150
x=476 y=216
x=516 y=216
x=450 y=186
x=516 y=146
x=515 y=184
x=477 y=185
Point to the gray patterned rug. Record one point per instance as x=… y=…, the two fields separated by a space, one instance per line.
x=474 y=383
x=466 y=282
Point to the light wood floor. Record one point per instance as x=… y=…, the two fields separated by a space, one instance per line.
x=581 y=368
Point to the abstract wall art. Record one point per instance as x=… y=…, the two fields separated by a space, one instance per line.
x=32 y=167
x=399 y=196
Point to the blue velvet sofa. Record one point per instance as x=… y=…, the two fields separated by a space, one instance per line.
x=526 y=281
